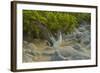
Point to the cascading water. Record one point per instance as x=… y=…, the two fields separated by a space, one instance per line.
x=62 y=52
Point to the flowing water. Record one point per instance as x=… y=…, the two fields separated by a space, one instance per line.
x=74 y=46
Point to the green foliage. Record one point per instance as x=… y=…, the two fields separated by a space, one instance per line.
x=81 y=17
x=53 y=21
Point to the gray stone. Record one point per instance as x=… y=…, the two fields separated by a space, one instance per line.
x=27 y=57
x=77 y=47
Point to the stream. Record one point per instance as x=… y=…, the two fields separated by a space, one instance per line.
x=74 y=46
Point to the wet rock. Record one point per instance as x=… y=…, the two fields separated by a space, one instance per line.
x=79 y=35
x=25 y=42
x=68 y=52
x=32 y=46
x=88 y=46
x=79 y=57
x=55 y=57
x=77 y=47
x=27 y=57
x=81 y=29
x=49 y=51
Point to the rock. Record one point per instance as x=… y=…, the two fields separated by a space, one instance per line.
x=30 y=49
x=49 y=51
x=78 y=35
x=25 y=42
x=77 y=47
x=79 y=57
x=29 y=52
x=85 y=40
x=69 y=37
x=88 y=47
x=88 y=27
x=27 y=57
x=55 y=57
x=67 y=52
x=81 y=29
x=41 y=58
x=32 y=46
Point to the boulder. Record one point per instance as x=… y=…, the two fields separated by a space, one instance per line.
x=27 y=57
x=67 y=52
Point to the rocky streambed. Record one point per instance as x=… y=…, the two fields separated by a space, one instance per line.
x=75 y=46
